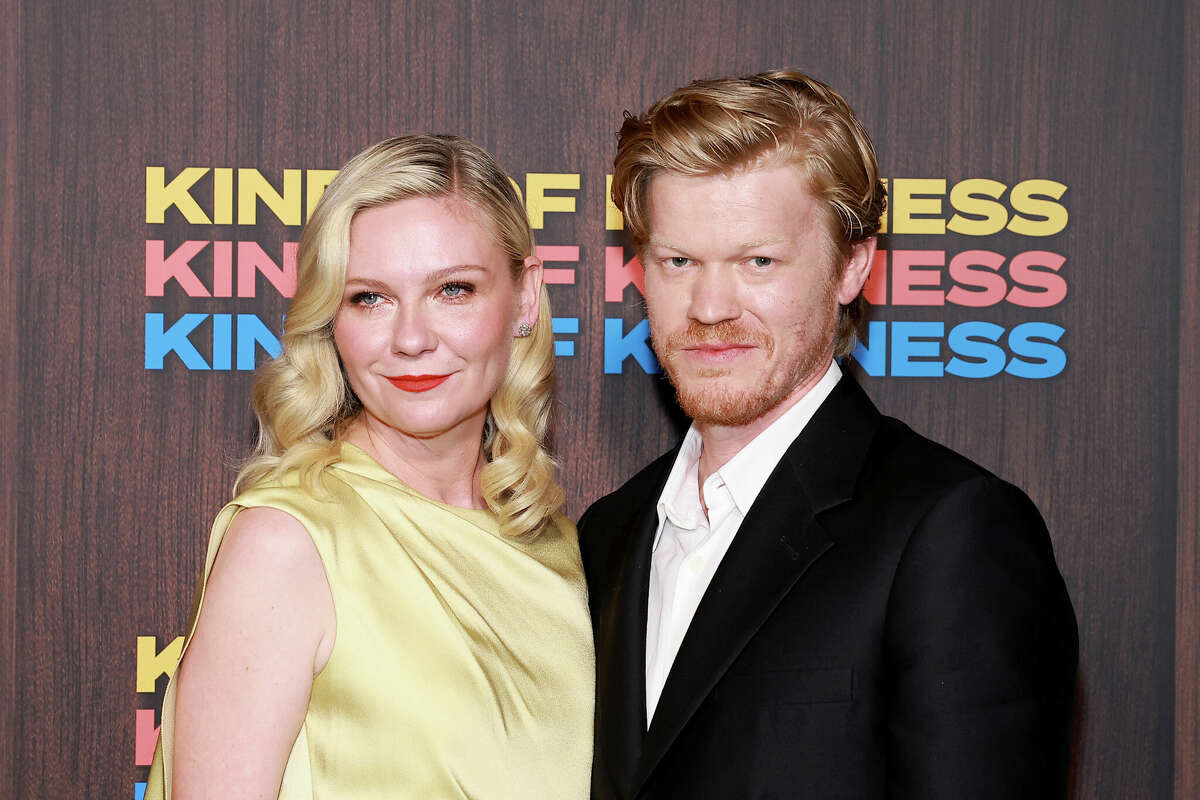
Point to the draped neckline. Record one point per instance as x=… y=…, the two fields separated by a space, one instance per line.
x=355 y=460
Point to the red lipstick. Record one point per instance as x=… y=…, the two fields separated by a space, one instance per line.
x=418 y=383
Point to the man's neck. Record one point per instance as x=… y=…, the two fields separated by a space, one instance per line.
x=720 y=443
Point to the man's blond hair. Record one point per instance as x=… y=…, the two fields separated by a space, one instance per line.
x=715 y=126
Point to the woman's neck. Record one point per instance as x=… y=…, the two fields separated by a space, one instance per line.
x=445 y=467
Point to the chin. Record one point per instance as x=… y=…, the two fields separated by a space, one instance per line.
x=418 y=426
x=720 y=403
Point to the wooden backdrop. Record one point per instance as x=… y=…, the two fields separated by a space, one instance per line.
x=112 y=471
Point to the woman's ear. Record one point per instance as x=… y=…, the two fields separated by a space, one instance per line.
x=529 y=291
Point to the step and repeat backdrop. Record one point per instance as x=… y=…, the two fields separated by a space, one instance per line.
x=161 y=159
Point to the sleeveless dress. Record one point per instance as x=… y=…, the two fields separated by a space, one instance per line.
x=462 y=665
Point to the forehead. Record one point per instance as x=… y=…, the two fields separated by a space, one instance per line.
x=423 y=231
x=771 y=199
x=447 y=209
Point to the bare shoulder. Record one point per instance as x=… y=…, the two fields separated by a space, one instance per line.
x=266 y=536
x=269 y=583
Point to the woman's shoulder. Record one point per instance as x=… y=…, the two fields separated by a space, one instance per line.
x=296 y=493
x=269 y=523
x=268 y=540
x=556 y=544
x=560 y=526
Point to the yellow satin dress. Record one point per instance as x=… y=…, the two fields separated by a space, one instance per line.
x=462 y=665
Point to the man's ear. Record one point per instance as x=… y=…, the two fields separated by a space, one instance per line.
x=858 y=267
x=529 y=292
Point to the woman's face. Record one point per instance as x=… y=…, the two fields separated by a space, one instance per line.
x=428 y=315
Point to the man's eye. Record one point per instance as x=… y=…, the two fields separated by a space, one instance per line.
x=678 y=261
x=365 y=299
x=761 y=261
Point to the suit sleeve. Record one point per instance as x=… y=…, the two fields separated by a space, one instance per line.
x=592 y=543
x=580 y=526
x=982 y=649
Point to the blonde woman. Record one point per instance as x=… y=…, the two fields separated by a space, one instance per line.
x=392 y=604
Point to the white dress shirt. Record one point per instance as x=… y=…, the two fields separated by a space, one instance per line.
x=689 y=546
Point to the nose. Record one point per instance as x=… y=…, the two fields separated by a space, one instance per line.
x=714 y=295
x=412 y=333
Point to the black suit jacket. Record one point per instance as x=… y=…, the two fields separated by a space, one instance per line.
x=889 y=622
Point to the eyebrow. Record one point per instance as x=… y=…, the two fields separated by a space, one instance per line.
x=446 y=272
x=432 y=277
x=770 y=240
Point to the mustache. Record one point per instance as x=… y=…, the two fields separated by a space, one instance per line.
x=724 y=332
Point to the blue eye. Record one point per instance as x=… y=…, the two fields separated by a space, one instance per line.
x=678 y=261
x=761 y=261
x=365 y=299
x=455 y=290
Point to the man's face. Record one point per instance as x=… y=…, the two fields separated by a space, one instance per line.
x=742 y=287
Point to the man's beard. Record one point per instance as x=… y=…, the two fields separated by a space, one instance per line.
x=707 y=399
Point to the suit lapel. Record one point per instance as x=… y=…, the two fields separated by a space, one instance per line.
x=621 y=665
x=777 y=542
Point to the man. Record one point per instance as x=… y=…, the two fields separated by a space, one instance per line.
x=805 y=599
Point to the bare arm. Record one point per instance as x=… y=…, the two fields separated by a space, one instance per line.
x=266 y=628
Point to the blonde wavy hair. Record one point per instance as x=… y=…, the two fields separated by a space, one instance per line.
x=713 y=126
x=303 y=400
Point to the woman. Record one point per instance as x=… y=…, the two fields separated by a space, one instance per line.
x=392 y=604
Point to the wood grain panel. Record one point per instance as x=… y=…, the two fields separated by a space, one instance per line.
x=1090 y=446
x=122 y=468
x=1187 y=572
x=9 y=388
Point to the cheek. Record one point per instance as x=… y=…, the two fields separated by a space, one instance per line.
x=352 y=339
x=343 y=337
x=666 y=305
x=795 y=310
x=486 y=336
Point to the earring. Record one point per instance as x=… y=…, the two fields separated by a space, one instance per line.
x=523 y=330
